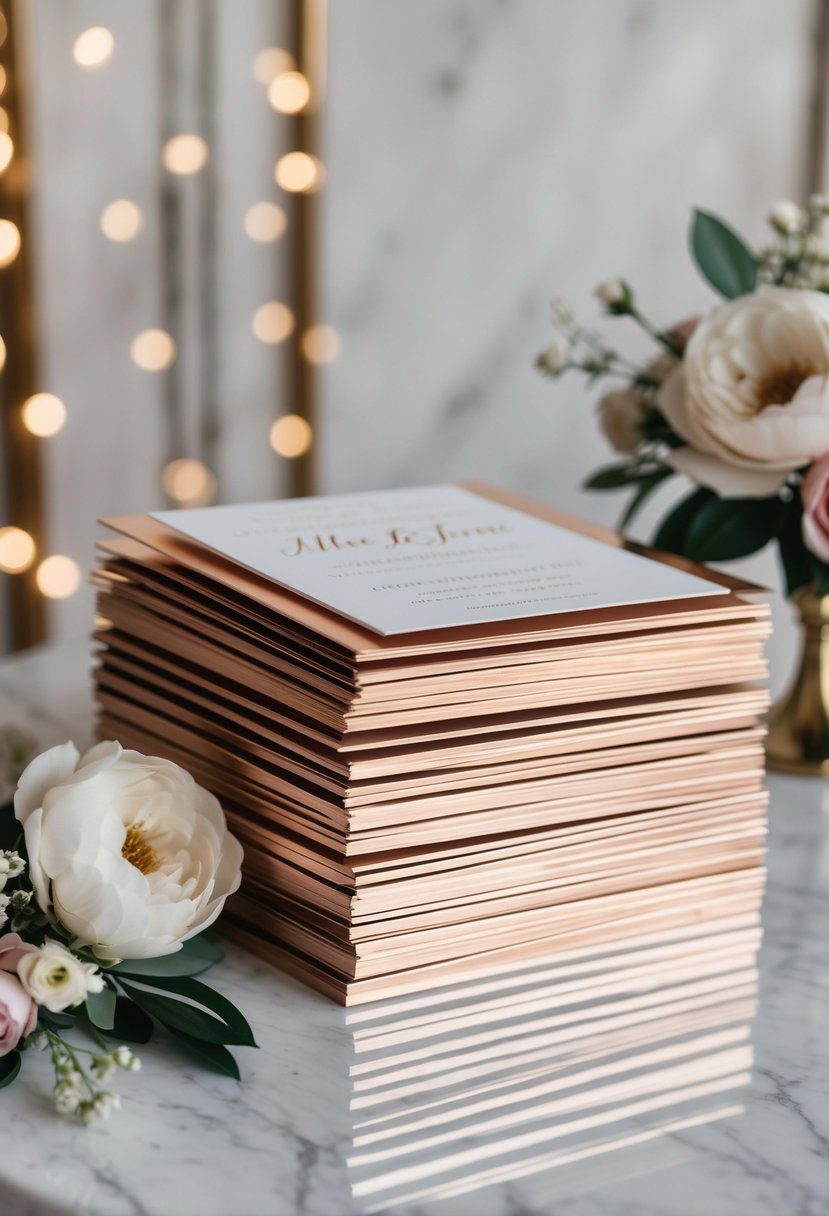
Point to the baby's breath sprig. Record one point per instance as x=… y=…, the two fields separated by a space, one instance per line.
x=75 y=1090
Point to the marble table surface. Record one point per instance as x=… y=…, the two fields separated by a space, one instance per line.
x=501 y=1098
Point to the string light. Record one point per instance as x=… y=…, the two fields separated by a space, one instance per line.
x=270 y=62
x=6 y=150
x=189 y=482
x=273 y=322
x=265 y=222
x=153 y=350
x=17 y=550
x=58 y=577
x=184 y=154
x=9 y=242
x=299 y=173
x=291 y=436
x=2 y=354
x=43 y=414
x=93 y=47
x=321 y=344
x=121 y=220
x=289 y=92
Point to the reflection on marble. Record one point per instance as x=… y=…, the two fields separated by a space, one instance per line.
x=610 y=1084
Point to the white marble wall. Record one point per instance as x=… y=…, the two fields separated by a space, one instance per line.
x=483 y=155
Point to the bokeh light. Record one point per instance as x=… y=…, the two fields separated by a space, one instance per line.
x=183 y=154
x=289 y=92
x=58 y=577
x=273 y=322
x=153 y=350
x=6 y=150
x=299 y=173
x=189 y=482
x=265 y=222
x=270 y=62
x=122 y=220
x=9 y=242
x=291 y=436
x=2 y=354
x=17 y=550
x=93 y=47
x=321 y=344
x=43 y=414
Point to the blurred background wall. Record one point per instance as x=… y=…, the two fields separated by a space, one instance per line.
x=480 y=157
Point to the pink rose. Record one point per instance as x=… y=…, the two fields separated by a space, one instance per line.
x=12 y=949
x=18 y=1013
x=815 y=494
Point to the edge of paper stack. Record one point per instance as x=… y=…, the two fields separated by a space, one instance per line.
x=421 y=809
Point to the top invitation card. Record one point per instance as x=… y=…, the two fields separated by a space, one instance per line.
x=437 y=557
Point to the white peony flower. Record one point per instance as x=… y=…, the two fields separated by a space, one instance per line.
x=55 y=978
x=787 y=217
x=557 y=355
x=125 y=850
x=751 y=395
x=621 y=415
x=612 y=291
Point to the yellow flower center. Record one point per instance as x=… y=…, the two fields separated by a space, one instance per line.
x=56 y=975
x=780 y=384
x=139 y=852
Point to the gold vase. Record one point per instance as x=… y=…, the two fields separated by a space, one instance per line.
x=798 y=738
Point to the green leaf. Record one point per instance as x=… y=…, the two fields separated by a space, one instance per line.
x=794 y=557
x=211 y=1055
x=646 y=487
x=9 y=1068
x=177 y=1015
x=820 y=575
x=673 y=530
x=100 y=1008
x=727 y=528
x=213 y=1000
x=131 y=1025
x=11 y=833
x=195 y=956
x=56 y=1021
x=724 y=259
x=612 y=477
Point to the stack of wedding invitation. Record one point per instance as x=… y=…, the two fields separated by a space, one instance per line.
x=453 y=729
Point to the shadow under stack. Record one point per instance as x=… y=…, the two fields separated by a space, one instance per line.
x=422 y=806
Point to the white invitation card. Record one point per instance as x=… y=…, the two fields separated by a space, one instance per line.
x=402 y=561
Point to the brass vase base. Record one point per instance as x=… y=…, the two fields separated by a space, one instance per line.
x=798 y=738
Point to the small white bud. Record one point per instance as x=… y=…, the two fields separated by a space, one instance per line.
x=122 y=1056
x=787 y=217
x=556 y=357
x=612 y=292
x=561 y=310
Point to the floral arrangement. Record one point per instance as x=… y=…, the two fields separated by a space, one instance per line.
x=113 y=865
x=737 y=400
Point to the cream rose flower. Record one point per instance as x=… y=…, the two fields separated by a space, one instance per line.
x=55 y=978
x=125 y=850
x=751 y=396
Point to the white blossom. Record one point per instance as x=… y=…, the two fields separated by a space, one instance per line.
x=787 y=217
x=557 y=355
x=612 y=291
x=56 y=978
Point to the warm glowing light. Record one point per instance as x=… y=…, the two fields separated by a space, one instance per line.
x=17 y=550
x=291 y=436
x=189 y=482
x=289 y=92
x=299 y=172
x=122 y=220
x=270 y=62
x=6 y=150
x=9 y=242
x=321 y=344
x=153 y=350
x=44 y=414
x=185 y=154
x=265 y=222
x=273 y=322
x=4 y=119
x=93 y=47
x=58 y=577
x=2 y=354
x=3 y=80
x=4 y=29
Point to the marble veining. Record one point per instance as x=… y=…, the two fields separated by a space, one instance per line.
x=609 y=1085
